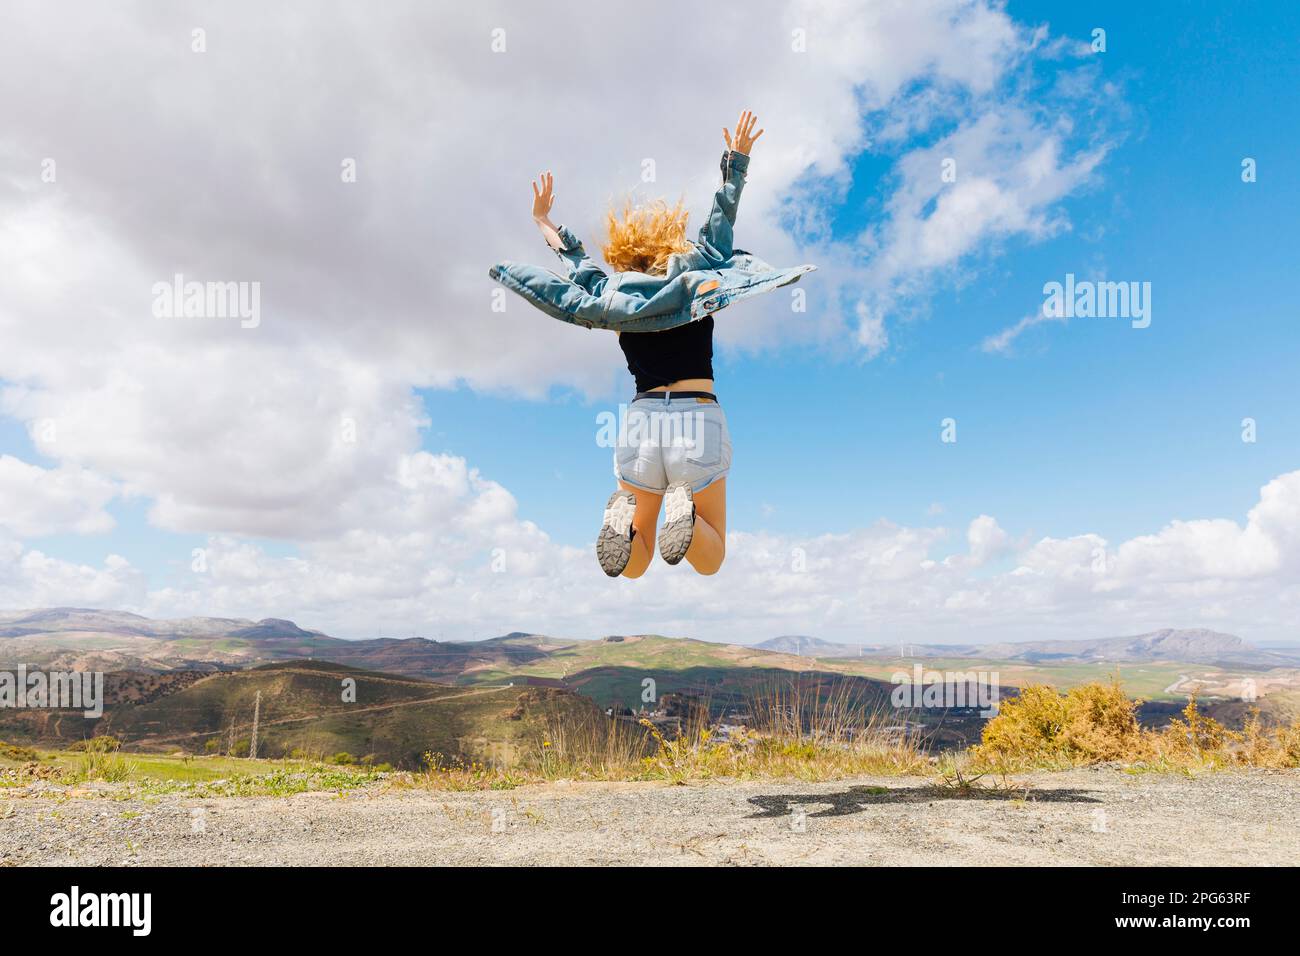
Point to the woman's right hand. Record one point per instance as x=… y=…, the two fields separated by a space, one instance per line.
x=745 y=135
x=543 y=198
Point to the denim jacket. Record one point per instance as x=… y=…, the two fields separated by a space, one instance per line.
x=709 y=277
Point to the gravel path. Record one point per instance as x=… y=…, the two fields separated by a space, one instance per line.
x=1101 y=817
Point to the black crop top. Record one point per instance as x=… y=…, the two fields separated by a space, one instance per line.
x=661 y=358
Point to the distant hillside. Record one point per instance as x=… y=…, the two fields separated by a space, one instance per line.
x=1182 y=645
x=439 y=660
x=73 y=620
x=1193 y=645
x=810 y=647
x=85 y=639
x=393 y=719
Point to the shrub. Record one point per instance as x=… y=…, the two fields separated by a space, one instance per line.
x=1096 y=722
x=1199 y=737
x=100 y=745
x=1101 y=723
x=1093 y=722
x=1029 y=727
x=104 y=765
x=17 y=752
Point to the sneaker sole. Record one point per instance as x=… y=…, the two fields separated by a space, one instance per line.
x=614 y=543
x=679 y=522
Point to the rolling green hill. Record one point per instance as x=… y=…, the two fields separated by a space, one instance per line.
x=679 y=662
x=391 y=719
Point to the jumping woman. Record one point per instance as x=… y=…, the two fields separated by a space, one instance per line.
x=674 y=450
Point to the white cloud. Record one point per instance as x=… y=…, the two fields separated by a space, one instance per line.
x=1002 y=342
x=30 y=578
x=450 y=557
x=871 y=333
x=37 y=501
x=1011 y=172
x=986 y=540
x=1191 y=551
x=490 y=573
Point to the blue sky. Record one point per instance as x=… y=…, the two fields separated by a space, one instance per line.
x=1079 y=435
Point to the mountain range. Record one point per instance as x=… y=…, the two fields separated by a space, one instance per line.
x=90 y=639
x=1195 y=645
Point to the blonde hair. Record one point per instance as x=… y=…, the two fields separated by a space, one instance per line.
x=645 y=236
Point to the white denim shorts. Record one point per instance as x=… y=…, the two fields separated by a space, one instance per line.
x=681 y=439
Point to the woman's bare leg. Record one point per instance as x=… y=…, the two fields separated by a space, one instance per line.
x=709 y=538
x=645 y=519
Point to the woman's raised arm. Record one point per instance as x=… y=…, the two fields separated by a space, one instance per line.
x=543 y=200
x=716 y=233
x=582 y=269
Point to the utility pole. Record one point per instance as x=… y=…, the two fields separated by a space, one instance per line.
x=230 y=744
x=257 y=710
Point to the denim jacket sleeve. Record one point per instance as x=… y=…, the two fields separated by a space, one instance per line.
x=582 y=271
x=716 y=235
x=567 y=301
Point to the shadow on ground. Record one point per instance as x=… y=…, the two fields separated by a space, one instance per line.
x=857 y=799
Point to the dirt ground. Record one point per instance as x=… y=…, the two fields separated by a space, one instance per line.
x=1089 y=817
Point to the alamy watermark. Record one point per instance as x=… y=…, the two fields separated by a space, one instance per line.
x=945 y=689
x=179 y=299
x=55 y=690
x=75 y=908
x=664 y=427
x=1086 y=299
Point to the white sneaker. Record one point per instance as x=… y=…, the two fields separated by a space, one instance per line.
x=614 y=543
x=679 y=522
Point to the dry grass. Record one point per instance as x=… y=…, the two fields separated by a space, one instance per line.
x=797 y=731
x=102 y=765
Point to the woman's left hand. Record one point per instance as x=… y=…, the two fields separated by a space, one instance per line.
x=544 y=198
